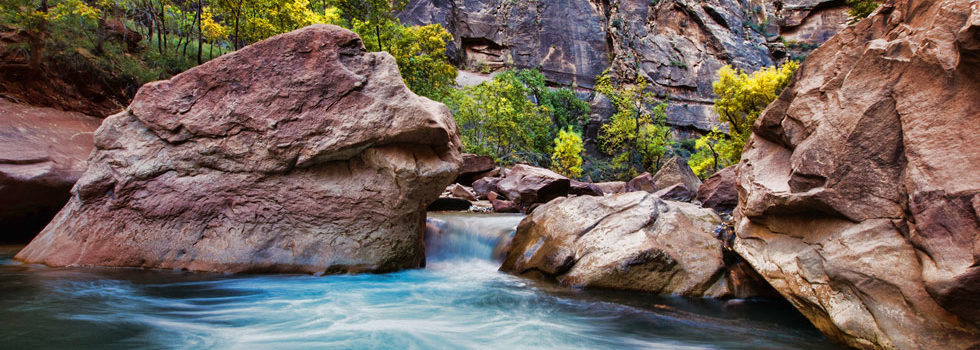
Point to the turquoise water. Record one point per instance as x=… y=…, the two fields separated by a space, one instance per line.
x=459 y=301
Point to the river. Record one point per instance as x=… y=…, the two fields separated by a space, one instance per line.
x=459 y=301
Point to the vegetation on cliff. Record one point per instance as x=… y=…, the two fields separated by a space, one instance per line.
x=741 y=98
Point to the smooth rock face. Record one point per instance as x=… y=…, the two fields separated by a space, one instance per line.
x=632 y=241
x=676 y=171
x=42 y=154
x=300 y=153
x=719 y=191
x=859 y=198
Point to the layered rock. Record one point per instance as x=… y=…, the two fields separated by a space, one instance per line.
x=632 y=241
x=857 y=196
x=42 y=153
x=492 y=34
x=300 y=153
x=676 y=45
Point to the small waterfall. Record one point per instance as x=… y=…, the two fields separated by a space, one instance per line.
x=469 y=235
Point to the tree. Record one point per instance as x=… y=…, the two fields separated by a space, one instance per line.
x=33 y=17
x=861 y=9
x=567 y=110
x=420 y=52
x=742 y=97
x=567 y=158
x=637 y=136
x=372 y=13
x=497 y=118
x=713 y=152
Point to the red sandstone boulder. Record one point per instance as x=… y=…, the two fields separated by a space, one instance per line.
x=526 y=185
x=474 y=168
x=642 y=182
x=718 y=191
x=677 y=192
x=858 y=192
x=300 y=153
x=42 y=154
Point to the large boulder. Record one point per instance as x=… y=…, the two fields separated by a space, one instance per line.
x=300 y=153
x=42 y=154
x=631 y=241
x=675 y=171
x=526 y=185
x=718 y=191
x=859 y=198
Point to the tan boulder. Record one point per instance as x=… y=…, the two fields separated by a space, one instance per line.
x=299 y=153
x=858 y=192
x=632 y=241
x=675 y=171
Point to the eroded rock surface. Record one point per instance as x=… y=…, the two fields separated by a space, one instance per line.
x=858 y=192
x=300 y=153
x=42 y=153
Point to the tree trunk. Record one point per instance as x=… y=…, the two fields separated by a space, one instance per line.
x=377 y=31
x=37 y=40
x=100 y=34
x=200 y=34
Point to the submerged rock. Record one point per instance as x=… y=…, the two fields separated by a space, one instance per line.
x=859 y=198
x=42 y=154
x=632 y=241
x=300 y=153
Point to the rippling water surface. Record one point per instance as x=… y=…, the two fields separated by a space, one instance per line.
x=459 y=300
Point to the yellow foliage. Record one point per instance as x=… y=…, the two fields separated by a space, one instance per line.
x=567 y=158
x=743 y=97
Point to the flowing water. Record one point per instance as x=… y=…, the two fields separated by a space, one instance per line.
x=459 y=300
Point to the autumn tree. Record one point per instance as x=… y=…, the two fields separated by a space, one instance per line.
x=34 y=17
x=637 y=135
x=741 y=99
x=567 y=157
x=420 y=52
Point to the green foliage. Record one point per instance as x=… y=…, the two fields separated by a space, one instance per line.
x=713 y=152
x=498 y=118
x=567 y=158
x=861 y=9
x=420 y=52
x=370 y=13
x=742 y=97
x=566 y=109
x=637 y=136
